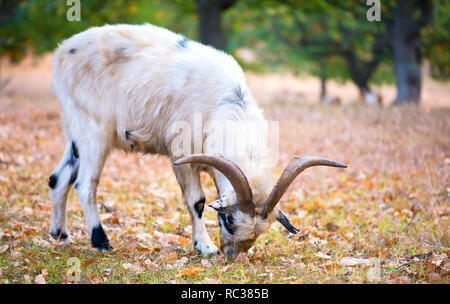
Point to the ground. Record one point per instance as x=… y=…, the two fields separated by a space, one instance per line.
x=383 y=219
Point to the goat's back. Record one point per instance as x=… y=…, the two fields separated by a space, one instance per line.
x=139 y=79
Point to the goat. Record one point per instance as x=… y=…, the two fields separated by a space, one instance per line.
x=125 y=87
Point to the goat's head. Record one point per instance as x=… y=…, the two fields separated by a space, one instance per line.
x=243 y=219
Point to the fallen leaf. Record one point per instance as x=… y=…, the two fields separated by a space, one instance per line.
x=172 y=257
x=227 y=268
x=27 y=279
x=401 y=280
x=133 y=267
x=127 y=265
x=350 y=261
x=192 y=271
x=205 y=263
x=331 y=227
x=433 y=276
x=27 y=211
x=180 y=263
x=39 y=279
x=3 y=248
x=151 y=266
x=242 y=258
x=320 y=254
x=182 y=240
x=329 y=265
x=210 y=281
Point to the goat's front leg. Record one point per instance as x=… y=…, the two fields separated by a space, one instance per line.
x=92 y=158
x=189 y=179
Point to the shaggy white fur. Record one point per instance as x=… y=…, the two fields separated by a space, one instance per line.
x=127 y=86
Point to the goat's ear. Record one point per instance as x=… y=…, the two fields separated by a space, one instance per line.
x=221 y=206
x=286 y=223
x=218 y=205
x=224 y=204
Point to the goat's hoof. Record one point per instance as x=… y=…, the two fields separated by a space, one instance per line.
x=104 y=247
x=206 y=249
x=61 y=236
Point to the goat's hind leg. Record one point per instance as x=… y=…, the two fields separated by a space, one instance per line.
x=59 y=183
x=92 y=158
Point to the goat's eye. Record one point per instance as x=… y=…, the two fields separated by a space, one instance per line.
x=227 y=221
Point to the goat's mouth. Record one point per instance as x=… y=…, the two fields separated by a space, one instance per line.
x=242 y=247
x=229 y=251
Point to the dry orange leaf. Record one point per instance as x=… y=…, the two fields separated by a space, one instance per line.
x=172 y=257
x=107 y=183
x=192 y=271
x=115 y=220
x=351 y=198
x=182 y=240
x=368 y=184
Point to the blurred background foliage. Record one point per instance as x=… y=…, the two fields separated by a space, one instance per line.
x=325 y=38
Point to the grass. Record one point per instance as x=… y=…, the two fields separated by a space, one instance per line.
x=383 y=220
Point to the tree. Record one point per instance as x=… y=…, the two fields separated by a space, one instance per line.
x=210 y=26
x=327 y=39
x=404 y=25
x=38 y=26
x=324 y=31
x=402 y=22
x=436 y=41
x=7 y=8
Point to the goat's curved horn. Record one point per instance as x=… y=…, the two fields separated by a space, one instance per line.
x=294 y=168
x=232 y=172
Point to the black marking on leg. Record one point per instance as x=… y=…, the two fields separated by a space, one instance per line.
x=77 y=185
x=74 y=155
x=183 y=42
x=196 y=247
x=72 y=51
x=75 y=150
x=58 y=235
x=99 y=239
x=199 y=206
x=52 y=181
x=73 y=177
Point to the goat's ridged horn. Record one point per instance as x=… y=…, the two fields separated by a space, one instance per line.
x=295 y=167
x=232 y=172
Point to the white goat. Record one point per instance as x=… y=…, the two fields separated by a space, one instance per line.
x=125 y=86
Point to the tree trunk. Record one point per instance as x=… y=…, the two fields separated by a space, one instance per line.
x=360 y=73
x=406 y=53
x=323 y=89
x=210 y=21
